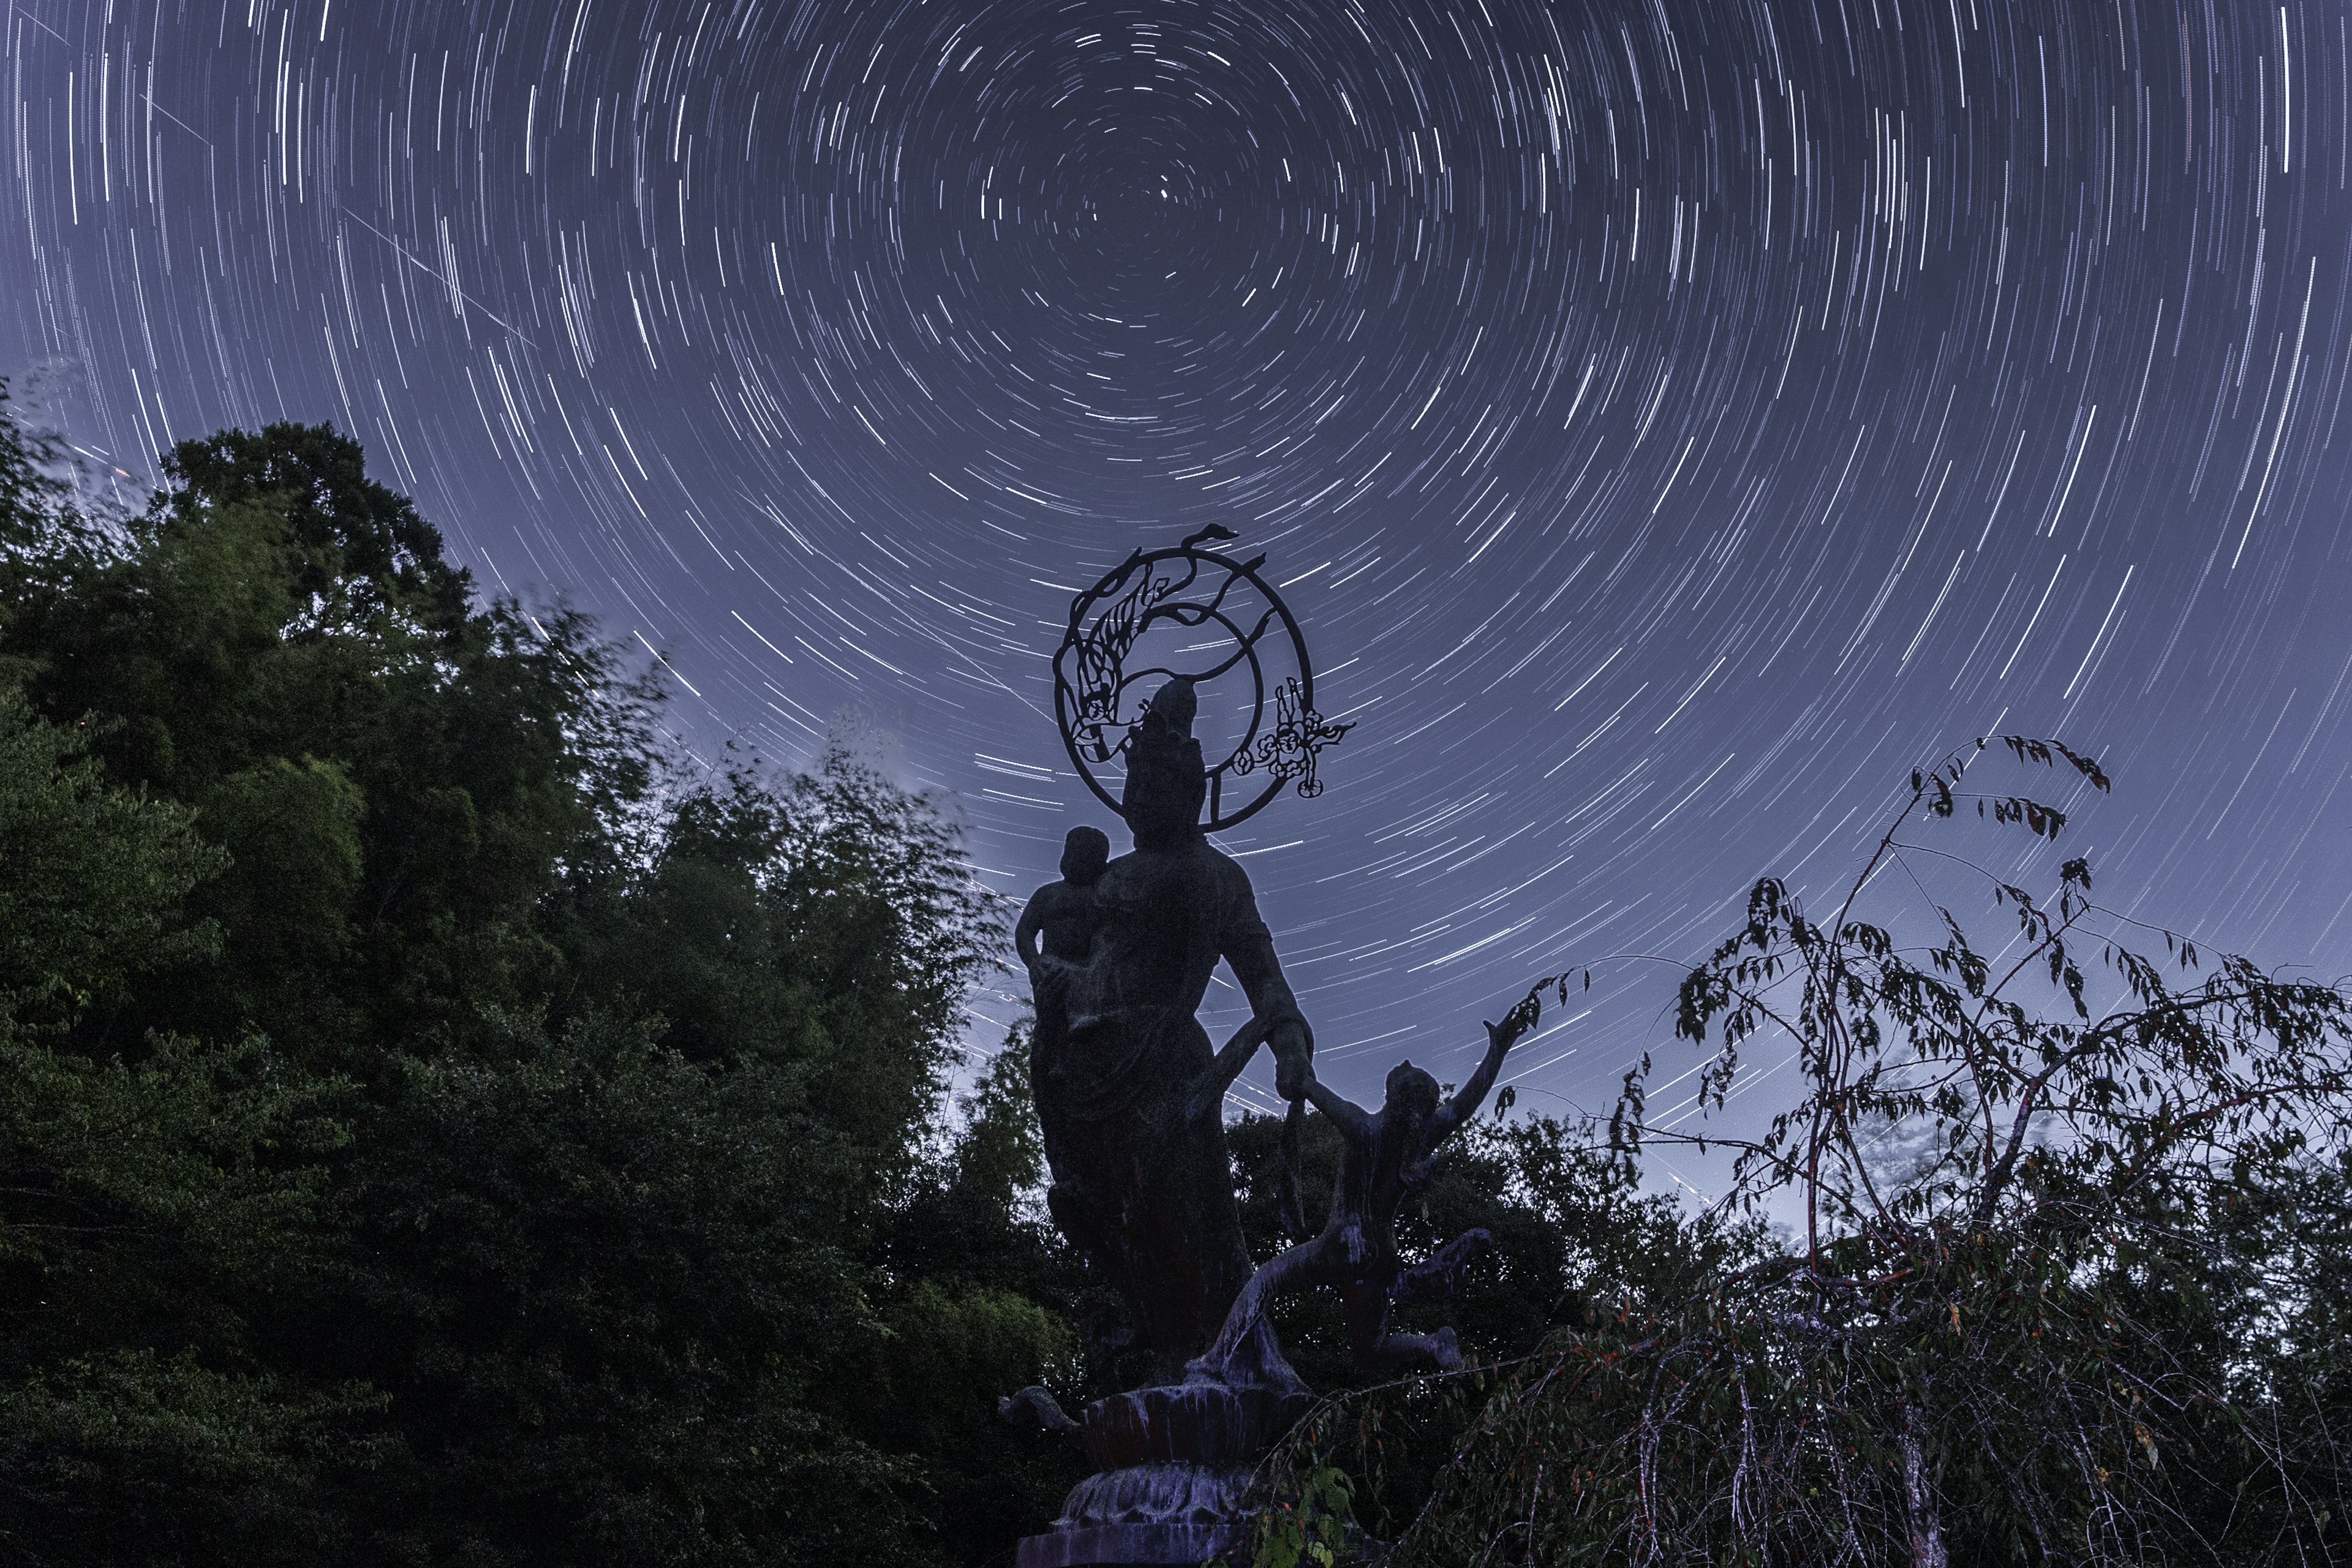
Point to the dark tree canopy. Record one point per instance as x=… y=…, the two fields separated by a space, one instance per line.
x=439 y=1125
x=356 y=553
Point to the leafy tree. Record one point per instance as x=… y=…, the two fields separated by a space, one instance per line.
x=981 y=1298
x=401 y=782
x=610 y=1292
x=2049 y=1300
x=828 y=921
x=437 y=1126
x=356 y=554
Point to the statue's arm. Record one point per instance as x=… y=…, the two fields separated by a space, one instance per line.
x=1465 y=1104
x=1246 y=944
x=1209 y=1089
x=1355 y=1124
x=1028 y=932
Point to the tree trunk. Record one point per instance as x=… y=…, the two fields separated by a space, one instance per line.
x=1918 y=1499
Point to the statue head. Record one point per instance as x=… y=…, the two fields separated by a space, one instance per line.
x=1411 y=1091
x=1165 y=780
x=1412 y=1102
x=1085 y=852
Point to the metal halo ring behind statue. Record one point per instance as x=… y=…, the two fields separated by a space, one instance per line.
x=1187 y=586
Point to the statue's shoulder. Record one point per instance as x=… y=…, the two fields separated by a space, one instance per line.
x=1128 y=879
x=1196 y=868
x=1045 y=896
x=1222 y=871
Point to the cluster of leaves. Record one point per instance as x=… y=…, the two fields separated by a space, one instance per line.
x=2063 y=1284
x=436 y=1127
x=1315 y=1523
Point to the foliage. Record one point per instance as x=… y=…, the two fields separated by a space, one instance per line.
x=1572 y=1232
x=1314 y=1528
x=95 y=874
x=133 y=1192
x=437 y=1126
x=605 y=1284
x=2050 y=1298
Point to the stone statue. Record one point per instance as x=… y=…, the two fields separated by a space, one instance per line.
x=1141 y=1180
x=1384 y=1157
x=1129 y=1093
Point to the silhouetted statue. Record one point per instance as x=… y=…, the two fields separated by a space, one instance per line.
x=1141 y=1180
x=1383 y=1157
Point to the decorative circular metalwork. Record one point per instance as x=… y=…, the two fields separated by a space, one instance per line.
x=1189 y=587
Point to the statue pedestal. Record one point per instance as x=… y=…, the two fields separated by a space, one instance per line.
x=1172 y=1466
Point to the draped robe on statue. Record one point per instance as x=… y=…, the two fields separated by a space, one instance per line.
x=1144 y=1187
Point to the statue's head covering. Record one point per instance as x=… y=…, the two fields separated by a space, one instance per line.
x=1165 y=780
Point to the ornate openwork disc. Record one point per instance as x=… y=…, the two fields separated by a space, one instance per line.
x=1218 y=623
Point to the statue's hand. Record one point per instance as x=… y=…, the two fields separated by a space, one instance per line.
x=1294 y=1049
x=1049 y=977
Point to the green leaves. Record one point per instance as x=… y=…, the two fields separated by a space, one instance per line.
x=357 y=552
x=420 y=1141
x=1311 y=1527
x=92 y=877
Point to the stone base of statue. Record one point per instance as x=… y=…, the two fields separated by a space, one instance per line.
x=1172 y=1466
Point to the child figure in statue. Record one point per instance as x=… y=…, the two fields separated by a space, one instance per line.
x=1059 y=921
x=1056 y=931
x=1385 y=1156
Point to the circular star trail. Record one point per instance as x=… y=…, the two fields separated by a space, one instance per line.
x=1672 y=421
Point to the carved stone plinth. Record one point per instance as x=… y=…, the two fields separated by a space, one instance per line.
x=1172 y=1466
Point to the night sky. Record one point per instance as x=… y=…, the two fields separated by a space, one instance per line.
x=1670 y=420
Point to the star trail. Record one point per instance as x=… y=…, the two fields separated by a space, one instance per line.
x=1672 y=421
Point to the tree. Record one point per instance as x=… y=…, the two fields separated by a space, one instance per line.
x=401 y=781
x=612 y=1294
x=981 y=1297
x=2039 y=1308
x=436 y=1123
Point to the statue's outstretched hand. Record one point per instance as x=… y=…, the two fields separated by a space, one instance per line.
x=1500 y=1039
